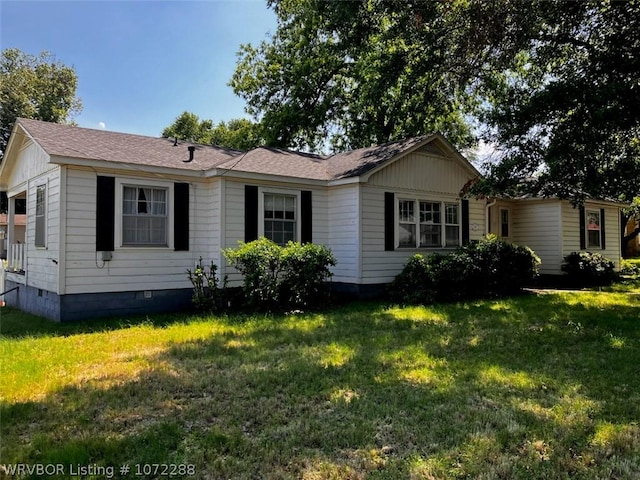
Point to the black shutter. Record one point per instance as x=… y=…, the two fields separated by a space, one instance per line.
x=389 y=221
x=583 y=229
x=181 y=216
x=105 y=213
x=465 y=221
x=602 y=228
x=250 y=213
x=306 y=220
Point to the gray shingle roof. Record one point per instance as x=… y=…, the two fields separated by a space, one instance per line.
x=83 y=143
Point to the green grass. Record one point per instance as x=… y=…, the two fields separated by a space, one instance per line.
x=539 y=386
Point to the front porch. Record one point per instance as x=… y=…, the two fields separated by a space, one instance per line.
x=13 y=225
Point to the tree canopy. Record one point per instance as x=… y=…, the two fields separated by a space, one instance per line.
x=37 y=87
x=553 y=85
x=353 y=74
x=240 y=133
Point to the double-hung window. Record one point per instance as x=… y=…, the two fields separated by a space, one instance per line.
x=594 y=230
x=280 y=217
x=430 y=225
x=144 y=216
x=427 y=224
x=41 y=211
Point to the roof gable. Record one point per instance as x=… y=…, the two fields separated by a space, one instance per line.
x=70 y=144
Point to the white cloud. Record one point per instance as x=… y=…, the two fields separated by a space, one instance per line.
x=101 y=125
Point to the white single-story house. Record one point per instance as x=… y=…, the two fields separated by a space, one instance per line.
x=114 y=220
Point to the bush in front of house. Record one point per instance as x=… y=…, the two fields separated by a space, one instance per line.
x=484 y=269
x=208 y=295
x=589 y=269
x=630 y=267
x=259 y=264
x=304 y=271
x=277 y=278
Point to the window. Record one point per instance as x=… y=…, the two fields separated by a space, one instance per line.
x=436 y=225
x=41 y=208
x=144 y=216
x=430 y=228
x=594 y=230
x=452 y=225
x=280 y=217
x=504 y=222
x=407 y=221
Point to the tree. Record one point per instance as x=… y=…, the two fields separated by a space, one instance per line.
x=37 y=87
x=237 y=133
x=187 y=126
x=354 y=74
x=554 y=84
x=240 y=134
x=565 y=111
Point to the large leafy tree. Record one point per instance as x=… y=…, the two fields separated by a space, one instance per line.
x=565 y=111
x=555 y=84
x=353 y=74
x=35 y=86
x=241 y=134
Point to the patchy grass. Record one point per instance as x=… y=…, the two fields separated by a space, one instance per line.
x=540 y=386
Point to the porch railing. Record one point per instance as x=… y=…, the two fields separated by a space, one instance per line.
x=16 y=258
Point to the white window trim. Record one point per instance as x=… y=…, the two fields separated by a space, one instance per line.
x=278 y=191
x=46 y=216
x=119 y=194
x=586 y=223
x=443 y=224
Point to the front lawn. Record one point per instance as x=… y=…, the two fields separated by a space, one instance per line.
x=540 y=386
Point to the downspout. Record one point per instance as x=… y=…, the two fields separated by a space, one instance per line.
x=486 y=215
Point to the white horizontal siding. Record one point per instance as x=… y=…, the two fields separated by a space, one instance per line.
x=536 y=224
x=43 y=262
x=344 y=232
x=571 y=230
x=31 y=162
x=234 y=204
x=133 y=269
x=380 y=266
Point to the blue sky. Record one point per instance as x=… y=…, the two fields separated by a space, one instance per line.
x=142 y=63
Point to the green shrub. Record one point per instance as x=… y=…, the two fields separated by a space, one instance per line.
x=259 y=263
x=414 y=284
x=630 y=267
x=589 y=269
x=488 y=268
x=304 y=275
x=208 y=296
x=277 y=278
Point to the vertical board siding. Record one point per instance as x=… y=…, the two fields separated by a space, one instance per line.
x=423 y=172
x=132 y=269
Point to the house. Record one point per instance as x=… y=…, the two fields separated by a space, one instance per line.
x=114 y=220
x=633 y=246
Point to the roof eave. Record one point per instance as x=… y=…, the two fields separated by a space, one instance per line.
x=94 y=163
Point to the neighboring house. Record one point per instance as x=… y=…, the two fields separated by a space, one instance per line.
x=114 y=220
x=20 y=222
x=633 y=247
